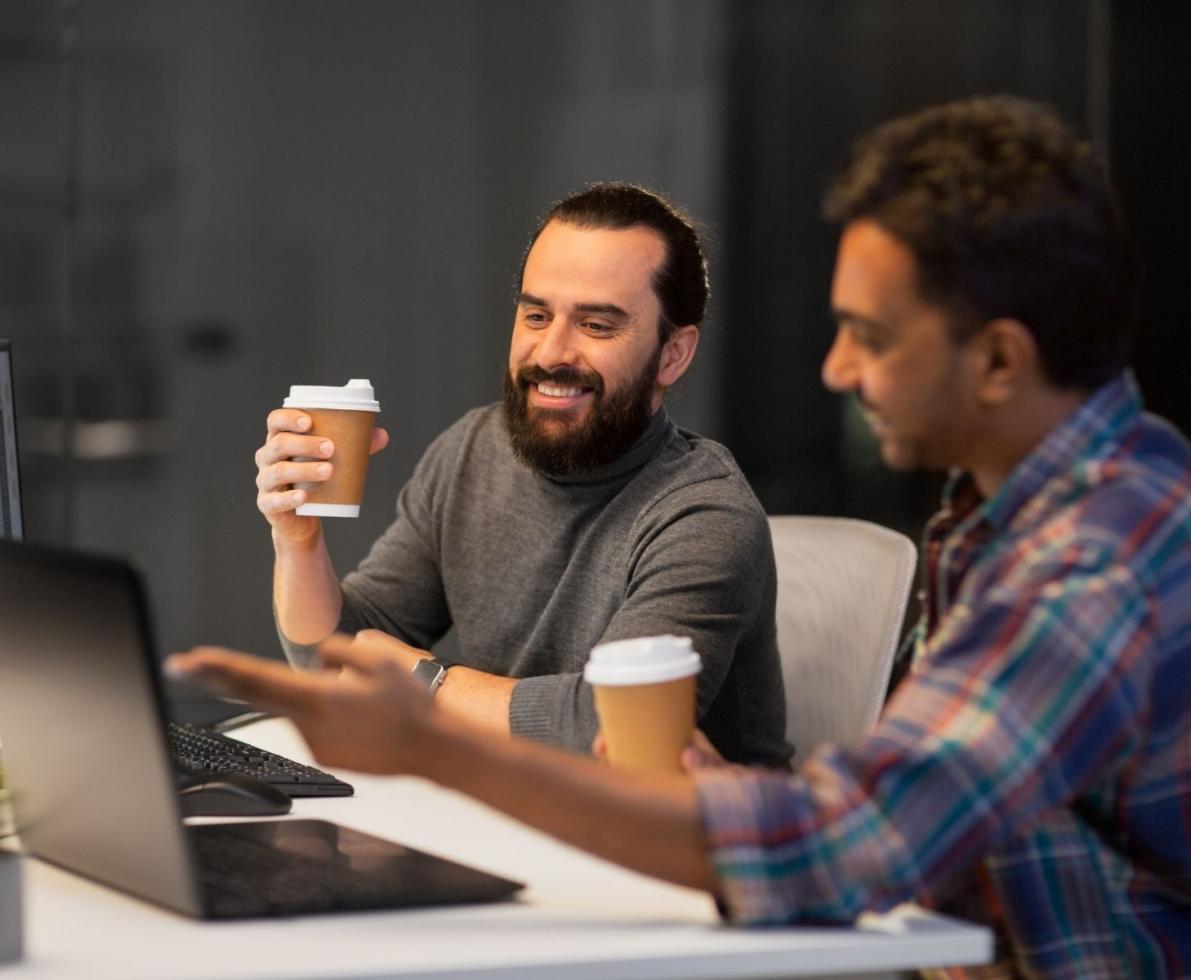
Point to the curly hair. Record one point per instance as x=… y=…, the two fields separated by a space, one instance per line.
x=1008 y=214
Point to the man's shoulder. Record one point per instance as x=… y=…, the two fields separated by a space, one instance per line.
x=1140 y=491
x=483 y=425
x=690 y=459
x=475 y=439
x=1128 y=511
x=693 y=476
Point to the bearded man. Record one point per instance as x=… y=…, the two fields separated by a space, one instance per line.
x=572 y=514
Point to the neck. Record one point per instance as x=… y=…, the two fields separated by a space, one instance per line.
x=1017 y=429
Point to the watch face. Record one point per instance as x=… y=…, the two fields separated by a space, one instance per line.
x=430 y=673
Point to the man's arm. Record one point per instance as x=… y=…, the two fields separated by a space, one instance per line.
x=306 y=596
x=367 y=713
x=468 y=693
x=700 y=565
x=1021 y=702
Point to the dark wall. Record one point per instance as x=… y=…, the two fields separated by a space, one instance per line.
x=271 y=193
x=805 y=79
x=300 y=192
x=1151 y=157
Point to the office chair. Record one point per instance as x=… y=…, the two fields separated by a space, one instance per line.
x=842 y=587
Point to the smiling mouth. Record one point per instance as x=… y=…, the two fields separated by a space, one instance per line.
x=560 y=391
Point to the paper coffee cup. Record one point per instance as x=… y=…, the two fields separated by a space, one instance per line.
x=645 y=698
x=346 y=416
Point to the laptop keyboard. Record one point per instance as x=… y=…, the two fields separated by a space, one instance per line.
x=199 y=752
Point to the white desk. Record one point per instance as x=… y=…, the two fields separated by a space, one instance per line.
x=579 y=917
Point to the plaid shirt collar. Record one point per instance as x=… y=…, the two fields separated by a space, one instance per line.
x=966 y=521
x=1099 y=424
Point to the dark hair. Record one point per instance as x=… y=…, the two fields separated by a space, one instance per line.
x=1008 y=214
x=680 y=284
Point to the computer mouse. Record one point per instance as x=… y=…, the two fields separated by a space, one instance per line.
x=232 y=794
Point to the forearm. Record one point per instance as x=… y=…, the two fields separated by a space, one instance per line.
x=366 y=713
x=648 y=824
x=482 y=698
x=306 y=592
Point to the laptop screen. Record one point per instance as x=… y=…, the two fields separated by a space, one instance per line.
x=80 y=716
x=10 y=483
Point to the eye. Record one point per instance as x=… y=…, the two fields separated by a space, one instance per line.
x=869 y=339
x=535 y=318
x=599 y=327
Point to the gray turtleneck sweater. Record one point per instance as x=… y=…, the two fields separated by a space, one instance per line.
x=534 y=571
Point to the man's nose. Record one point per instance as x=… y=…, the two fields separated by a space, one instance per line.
x=555 y=346
x=840 y=368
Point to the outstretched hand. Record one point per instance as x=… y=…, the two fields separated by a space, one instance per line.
x=363 y=712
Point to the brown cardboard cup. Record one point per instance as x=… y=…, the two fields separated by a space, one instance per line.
x=346 y=416
x=645 y=698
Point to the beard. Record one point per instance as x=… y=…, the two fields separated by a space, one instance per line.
x=557 y=445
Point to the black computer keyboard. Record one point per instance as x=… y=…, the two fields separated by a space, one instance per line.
x=200 y=751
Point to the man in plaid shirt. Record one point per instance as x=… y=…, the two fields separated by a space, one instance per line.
x=1033 y=770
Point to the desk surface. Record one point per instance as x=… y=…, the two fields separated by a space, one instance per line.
x=579 y=916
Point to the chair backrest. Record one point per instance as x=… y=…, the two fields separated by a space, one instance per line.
x=842 y=587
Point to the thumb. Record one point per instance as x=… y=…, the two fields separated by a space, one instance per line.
x=360 y=653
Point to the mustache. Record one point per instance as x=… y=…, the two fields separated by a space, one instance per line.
x=566 y=377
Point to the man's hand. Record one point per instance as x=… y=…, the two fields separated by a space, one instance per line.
x=364 y=712
x=701 y=753
x=382 y=643
x=291 y=456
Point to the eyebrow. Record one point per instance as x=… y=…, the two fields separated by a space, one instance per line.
x=607 y=309
x=843 y=317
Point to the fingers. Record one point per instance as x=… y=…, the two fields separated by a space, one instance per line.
x=287 y=420
x=368 y=652
x=288 y=458
x=268 y=684
x=380 y=439
x=701 y=742
x=284 y=447
x=377 y=657
x=279 y=475
x=701 y=754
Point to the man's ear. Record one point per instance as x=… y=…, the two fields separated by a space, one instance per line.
x=677 y=353
x=1008 y=358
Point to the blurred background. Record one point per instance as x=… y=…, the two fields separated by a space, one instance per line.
x=202 y=203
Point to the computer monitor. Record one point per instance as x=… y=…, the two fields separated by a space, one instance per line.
x=11 y=525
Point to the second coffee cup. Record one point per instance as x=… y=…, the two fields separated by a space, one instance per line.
x=346 y=416
x=645 y=698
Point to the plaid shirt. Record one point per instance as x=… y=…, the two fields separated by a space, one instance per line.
x=1033 y=770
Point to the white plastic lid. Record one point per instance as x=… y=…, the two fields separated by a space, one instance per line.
x=356 y=396
x=645 y=660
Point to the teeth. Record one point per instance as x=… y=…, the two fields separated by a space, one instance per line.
x=554 y=391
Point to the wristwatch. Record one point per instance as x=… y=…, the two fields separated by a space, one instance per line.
x=431 y=673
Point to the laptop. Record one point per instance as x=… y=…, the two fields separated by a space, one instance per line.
x=198 y=749
x=82 y=719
